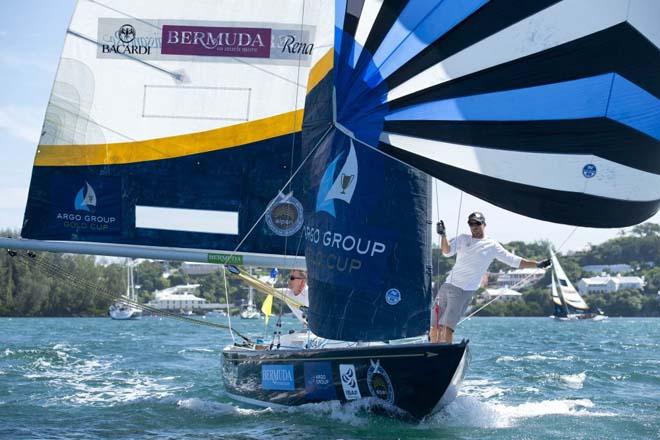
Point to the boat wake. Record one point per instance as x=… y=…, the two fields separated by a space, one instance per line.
x=81 y=380
x=470 y=411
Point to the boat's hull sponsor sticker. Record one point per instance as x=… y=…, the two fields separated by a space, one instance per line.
x=318 y=381
x=277 y=377
x=379 y=382
x=349 y=381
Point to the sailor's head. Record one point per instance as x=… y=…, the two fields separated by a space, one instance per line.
x=297 y=281
x=477 y=223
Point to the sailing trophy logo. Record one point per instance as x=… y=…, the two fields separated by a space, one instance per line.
x=285 y=215
x=340 y=187
x=85 y=198
x=379 y=382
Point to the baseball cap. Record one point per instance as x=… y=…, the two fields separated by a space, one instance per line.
x=477 y=217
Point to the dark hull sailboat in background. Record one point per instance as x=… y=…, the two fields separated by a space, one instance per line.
x=302 y=134
x=569 y=305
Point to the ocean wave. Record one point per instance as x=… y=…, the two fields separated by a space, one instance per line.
x=575 y=381
x=216 y=408
x=533 y=357
x=195 y=350
x=473 y=412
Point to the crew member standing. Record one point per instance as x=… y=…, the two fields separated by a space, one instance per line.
x=474 y=253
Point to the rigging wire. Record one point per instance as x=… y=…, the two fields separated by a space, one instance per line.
x=30 y=258
x=224 y=277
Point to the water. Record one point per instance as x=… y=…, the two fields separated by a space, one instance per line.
x=530 y=378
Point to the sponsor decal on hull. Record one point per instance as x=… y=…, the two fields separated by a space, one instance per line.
x=349 y=382
x=318 y=381
x=277 y=377
x=379 y=382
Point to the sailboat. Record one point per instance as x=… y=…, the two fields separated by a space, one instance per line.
x=249 y=310
x=569 y=305
x=305 y=133
x=124 y=309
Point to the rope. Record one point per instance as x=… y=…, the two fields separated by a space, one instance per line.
x=224 y=276
x=30 y=258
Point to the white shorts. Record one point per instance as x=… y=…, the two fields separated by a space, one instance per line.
x=449 y=305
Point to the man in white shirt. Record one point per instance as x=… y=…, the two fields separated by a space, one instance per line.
x=298 y=291
x=474 y=253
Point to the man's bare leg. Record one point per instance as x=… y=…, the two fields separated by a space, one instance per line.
x=445 y=334
x=441 y=334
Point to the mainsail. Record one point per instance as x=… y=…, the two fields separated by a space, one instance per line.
x=182 y=121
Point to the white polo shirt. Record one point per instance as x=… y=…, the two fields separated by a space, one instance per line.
x=473 y=256
x=302 y=298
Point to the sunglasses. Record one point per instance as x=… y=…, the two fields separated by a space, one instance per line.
x=474 y=223
x=296 y=278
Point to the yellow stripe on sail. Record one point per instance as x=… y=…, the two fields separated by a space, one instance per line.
x=267 y=307
x=321 y=69
x=170 y=147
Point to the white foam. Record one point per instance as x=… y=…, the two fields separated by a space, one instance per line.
x=472 y=412
x=195 y=350
x=7 y=352
x=575 y=381
x=533 y=357
x=215 y=408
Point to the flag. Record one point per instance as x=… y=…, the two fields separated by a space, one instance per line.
x=266 y=307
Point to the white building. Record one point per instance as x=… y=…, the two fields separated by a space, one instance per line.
x=607 y=284
x=519 y=278
x=177 y=298
x=611 y=268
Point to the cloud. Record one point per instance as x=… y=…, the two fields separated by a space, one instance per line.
x=22 y=123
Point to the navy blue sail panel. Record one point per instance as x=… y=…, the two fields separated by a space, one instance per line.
x=241 y=180
x=367 y=243
x=366 y=232
x=522 y=104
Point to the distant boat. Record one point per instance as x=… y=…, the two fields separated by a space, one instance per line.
x=122 y=309
x=569 y=305
x=249 y=310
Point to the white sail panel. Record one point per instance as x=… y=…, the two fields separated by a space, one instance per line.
x=109 y=82
x=566 y=21
x=555 y=293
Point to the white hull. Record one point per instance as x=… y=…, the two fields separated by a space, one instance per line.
x=124 y=312
x=580 y=318
x=250 y=314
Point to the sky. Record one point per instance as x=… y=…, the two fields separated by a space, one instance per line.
x=31 y=37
